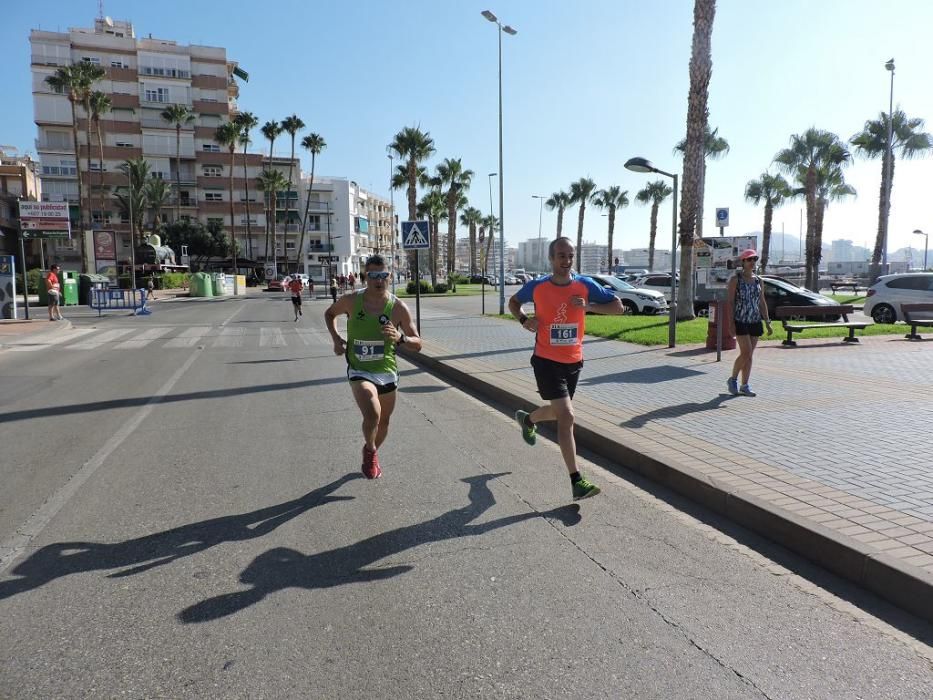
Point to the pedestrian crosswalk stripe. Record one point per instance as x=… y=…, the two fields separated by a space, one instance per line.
x=43 y=341
x=271 y=337
x=189 y=337
x=230 y=338
x=143 y=339
x=102 y=339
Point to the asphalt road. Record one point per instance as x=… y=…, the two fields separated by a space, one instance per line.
x=182 y=515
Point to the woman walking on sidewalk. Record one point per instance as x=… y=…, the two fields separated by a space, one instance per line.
x=54 y=290
x=748 y=309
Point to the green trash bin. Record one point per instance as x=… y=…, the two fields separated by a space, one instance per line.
x=70 y=288
x=88 y=282
x=201 y=285
x=219 y=280
x=43 y=292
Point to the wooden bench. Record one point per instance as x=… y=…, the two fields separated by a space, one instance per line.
x=854 y=286
x=917 y=315
x=789 y=313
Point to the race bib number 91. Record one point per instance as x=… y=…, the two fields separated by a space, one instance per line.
x=563 y=334
x=369 y=350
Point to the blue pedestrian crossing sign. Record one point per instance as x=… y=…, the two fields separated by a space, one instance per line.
x=416 y=235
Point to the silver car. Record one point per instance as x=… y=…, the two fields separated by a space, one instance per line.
x=635 y=301
x=885 y=297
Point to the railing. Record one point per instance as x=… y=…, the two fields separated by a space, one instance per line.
x=106 y=299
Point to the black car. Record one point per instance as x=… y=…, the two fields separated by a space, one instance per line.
x=779 y=292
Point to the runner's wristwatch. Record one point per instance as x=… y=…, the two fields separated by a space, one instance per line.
x=522 y=319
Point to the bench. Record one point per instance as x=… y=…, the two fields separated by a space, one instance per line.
x=790 y=313
x=854 y=286
x=918 y=314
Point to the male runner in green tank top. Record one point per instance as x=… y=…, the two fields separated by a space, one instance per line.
x=377 y=322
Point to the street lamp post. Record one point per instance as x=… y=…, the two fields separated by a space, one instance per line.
x=392 y=217
x=926 y=242
x=642 y=165
x=888 y=155
x=540 y=199
x=510 y=31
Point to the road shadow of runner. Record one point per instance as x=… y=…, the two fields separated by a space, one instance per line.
x=676 y=411
x=143 y=553
x=282 y=568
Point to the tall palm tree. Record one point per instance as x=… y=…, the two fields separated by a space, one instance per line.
x=471 y=217
x=75 y=81
x=831 y=186
x=488 y=224
x=132 y=198
x=611 y=198
x=434 y=206
x=291 y=125
x=715 y=147
x=178 y=116
x=91 y=74
x=415 y=146
x=907 y=138
x=808 y=153
x=772 y=190
x=655 y=193
x=701 y=69
x=271 y=182
x=457 y=179
x=559 y=201
x=581 y=192
x=271 y=130
x=156 y=194
x=246 y=121
x=228 y=134
x=314 y=144
x=100 y=105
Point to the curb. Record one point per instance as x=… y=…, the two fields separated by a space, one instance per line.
x=908 y=587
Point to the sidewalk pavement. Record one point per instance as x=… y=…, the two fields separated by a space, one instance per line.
x=833 y=459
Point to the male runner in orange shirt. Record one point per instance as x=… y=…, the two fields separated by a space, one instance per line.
x=561 y=301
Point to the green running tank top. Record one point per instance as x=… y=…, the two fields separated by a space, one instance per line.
x=369 y=356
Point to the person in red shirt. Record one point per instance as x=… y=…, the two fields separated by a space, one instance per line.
x=295 y=286
x=54 y=289
x=561 y=301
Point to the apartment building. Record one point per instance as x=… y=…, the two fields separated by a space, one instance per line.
x=143 y=76
x=18 y=181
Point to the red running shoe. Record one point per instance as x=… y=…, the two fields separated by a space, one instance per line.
x=370 y=468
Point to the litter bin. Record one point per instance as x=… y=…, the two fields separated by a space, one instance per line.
x=201 y=285
x=219 y=280
x=70 y=288
x=728 y=341
x=43 y=292
x=88 y=282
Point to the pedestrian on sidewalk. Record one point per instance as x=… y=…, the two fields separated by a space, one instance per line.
x=150 y=289
x=294 y=286
x=749 y=307
x=377 y=323
x=54 y=290
x=561 y=301
x=310 y=289
x=333 y=289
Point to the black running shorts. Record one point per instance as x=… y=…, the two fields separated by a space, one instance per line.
x=555 y=379
x=753 y=329
x=296 y=300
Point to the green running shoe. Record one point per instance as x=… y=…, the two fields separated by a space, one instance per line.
x=584 y=489
x=528 y=434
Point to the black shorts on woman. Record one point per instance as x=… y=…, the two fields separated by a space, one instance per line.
x=755 y=329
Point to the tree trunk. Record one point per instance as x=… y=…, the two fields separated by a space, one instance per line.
x=818 y=243
x=612 y=226
x=451 y=233
x=249 y=230
x=80 y=236
x=560 y=222
x=432 y=224
x=413 y=210
x=810 y=189
x=232 y=215
x=304 y=219
x=701 y=197
x=653 y=234
x=766 y=239
x=472 y=249
x=177 y=171
x=580 y=216
x=270 y=226
x=100 y=173
x=701 y=69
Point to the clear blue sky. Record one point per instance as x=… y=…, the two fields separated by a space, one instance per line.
x=587 y=85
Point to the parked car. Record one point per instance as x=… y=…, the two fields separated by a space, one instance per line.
x=511 y=279
x=655 y=281
x=274 y=285
x=885 y=297
x=780 y=293
x=482 y=279
x=635 y=301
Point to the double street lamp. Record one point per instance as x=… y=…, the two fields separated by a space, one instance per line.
x=926 y=245
x=508 y=30
x=643 y=165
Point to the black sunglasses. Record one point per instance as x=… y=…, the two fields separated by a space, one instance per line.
x=378 y=274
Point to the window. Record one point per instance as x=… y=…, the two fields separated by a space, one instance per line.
x=243 y=221
x=211 y=147
x=58 y=139
x=157 y=95
x=217 y=221
x=213 y=171
x=118 y=64
x=915 y=283
x=213 y=197
x=91 y=59
x=124 y=144
x=314 y=222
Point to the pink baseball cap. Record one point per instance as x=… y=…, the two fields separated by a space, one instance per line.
x=746 y=254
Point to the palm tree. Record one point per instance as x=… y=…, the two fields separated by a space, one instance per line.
x=559 y=201
x=715 y=147
x=271 y=131
x=100 y=105
x=907 y=137
x=701 y=69
x=246 y=121
x=831 y=186
x=581 y=192
x=414 y=146
x=76 y=81
x=654 y=192
x=291 y=125
x=271 y=182
x=489 y=223
x=132 y=198
x=471 y=217
x=807 y=154
x=91 y=74
x=314 y=143
x=178 y=116
x=228 y=134
x=772 y=190
x=434 y=206
x=156 y=194
x=611 y=198
x=457 y=179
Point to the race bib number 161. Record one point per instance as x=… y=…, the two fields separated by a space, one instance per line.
x=563 y=334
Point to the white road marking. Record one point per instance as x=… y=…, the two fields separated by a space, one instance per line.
x=188 y=338
x=271 y=337
x=46 y=341
x=143 y=339
x=230 y=338
x=102 y=339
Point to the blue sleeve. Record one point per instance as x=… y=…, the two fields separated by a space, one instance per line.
x=525 y=295
x=597 y=293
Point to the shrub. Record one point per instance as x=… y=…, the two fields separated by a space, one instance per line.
x=457 y=278
x=172 y=280
x=440 y=288
x=33 y=280
x=425 y=287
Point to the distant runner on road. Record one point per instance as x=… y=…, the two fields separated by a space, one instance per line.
x=561 y=301
x=377 y=322
x=294 y=287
